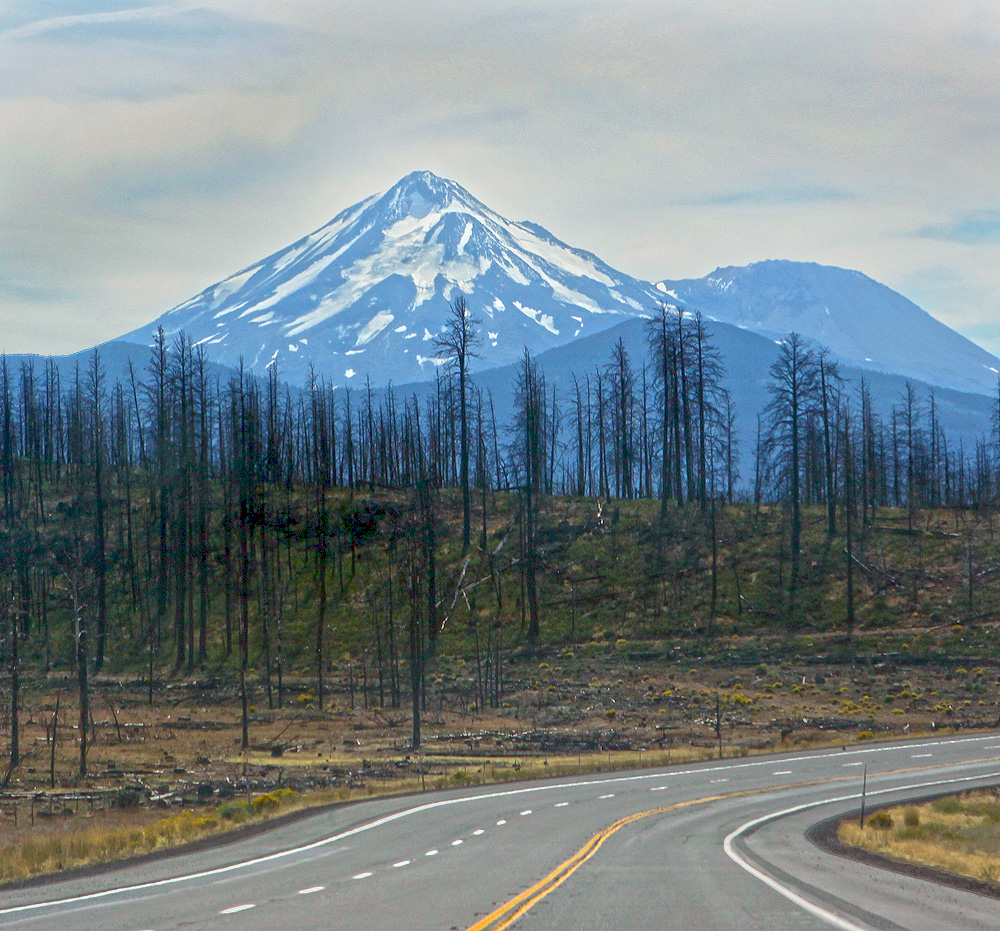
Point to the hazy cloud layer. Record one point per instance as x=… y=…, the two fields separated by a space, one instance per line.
x=150 y=149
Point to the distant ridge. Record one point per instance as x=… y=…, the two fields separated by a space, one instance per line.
x=860 y=321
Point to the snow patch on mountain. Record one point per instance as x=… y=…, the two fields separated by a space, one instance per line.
x=402 y=258
x=374 y=326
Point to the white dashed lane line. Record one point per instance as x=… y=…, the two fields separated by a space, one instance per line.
x=479 y=831
x=917 y=756
x=427 y=806
x=237 y=908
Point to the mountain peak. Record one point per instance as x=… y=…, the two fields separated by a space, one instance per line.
x=367 y=293
x=424 y=180
x=421 y=192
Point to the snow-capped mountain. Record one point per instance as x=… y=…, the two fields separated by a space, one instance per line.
x=367 y=294
x=860 y=321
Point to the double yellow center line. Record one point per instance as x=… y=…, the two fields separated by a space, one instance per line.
x=504 y=916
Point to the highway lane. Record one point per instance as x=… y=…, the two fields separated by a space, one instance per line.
x=444 y=860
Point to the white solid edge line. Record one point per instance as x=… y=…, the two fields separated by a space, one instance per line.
x=793 y=896
x=379 y=822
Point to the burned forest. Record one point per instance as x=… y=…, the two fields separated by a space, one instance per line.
x=592 y=573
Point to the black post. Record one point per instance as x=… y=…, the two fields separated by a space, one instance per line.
x=864 y=789
x=718 y=722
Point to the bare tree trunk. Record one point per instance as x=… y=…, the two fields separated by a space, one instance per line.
x=849 y=494
x=80 y=630
x=15 y=697
x=416 y=657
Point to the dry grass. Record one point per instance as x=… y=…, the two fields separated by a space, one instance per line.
x=957 y=833
x=59 y=848
x=55 y=847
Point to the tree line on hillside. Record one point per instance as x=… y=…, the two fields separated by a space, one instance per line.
x=168 y=520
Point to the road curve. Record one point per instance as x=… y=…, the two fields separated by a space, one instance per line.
x=709 y=846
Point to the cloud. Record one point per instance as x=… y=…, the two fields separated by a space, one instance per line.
x=982 y=226
x=151 y=148
x=27 y=21
x=33 y=294
x=493 y=121
x=137 y=52
x=29 y=16
x=784 y=195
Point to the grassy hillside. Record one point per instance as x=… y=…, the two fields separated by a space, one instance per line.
x=609 y=573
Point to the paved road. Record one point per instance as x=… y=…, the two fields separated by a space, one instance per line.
x=722 y=846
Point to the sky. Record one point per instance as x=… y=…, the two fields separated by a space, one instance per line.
x=150 y=149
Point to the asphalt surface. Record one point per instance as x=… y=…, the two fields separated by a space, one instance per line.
x=723 y=847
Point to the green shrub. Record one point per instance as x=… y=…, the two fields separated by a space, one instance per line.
x=234 y=811
x=881 y=821
x=911 y=817
x=949 y=805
